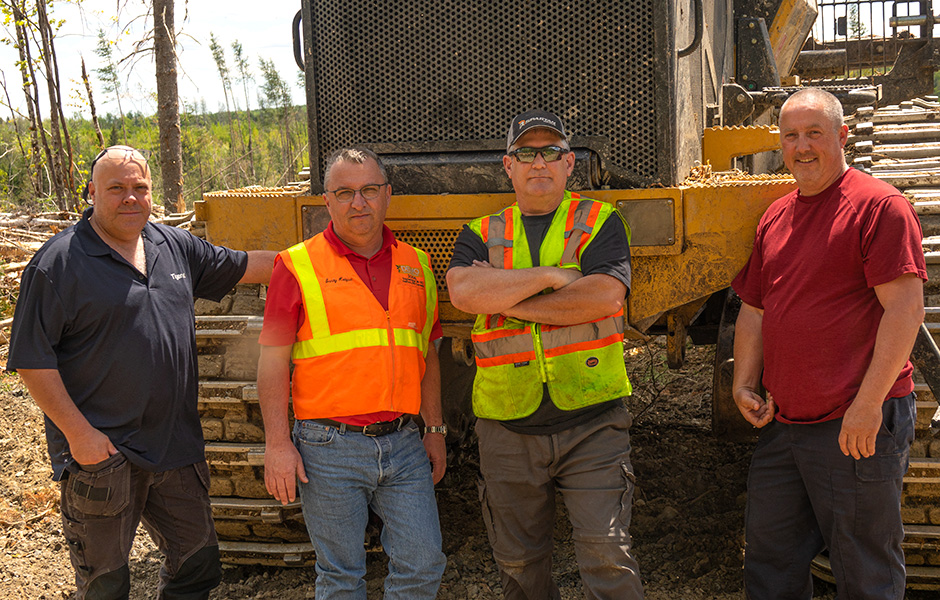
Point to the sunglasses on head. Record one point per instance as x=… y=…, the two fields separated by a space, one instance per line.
x=113 y=152
x=549 y=153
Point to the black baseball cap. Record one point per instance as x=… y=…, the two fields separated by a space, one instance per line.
x=531 y=119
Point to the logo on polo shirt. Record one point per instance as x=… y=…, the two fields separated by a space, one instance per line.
x=178 y=276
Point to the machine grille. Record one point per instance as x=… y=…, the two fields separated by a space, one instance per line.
x=458 y=70
x=439 y=244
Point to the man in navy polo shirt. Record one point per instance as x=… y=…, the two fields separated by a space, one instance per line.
x=103 y=337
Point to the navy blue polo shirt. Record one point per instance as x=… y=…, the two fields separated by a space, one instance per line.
x=124 y=343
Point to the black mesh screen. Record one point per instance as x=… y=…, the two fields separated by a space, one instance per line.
x=457 y=70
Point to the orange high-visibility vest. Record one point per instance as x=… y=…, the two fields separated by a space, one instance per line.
x=581 y=364
x=351 y=356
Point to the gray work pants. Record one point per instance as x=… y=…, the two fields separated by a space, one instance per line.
x=590 y=465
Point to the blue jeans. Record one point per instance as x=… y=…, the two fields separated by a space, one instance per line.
x=804 y=495
x=349 y=473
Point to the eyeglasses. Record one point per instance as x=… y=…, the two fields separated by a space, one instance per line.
x=113 y=152
x=549 y=153
x=368 y=192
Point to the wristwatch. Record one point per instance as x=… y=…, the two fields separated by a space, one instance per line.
x=442 y=429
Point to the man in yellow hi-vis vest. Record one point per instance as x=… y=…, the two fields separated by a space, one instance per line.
x=547 y=278
x=355 y=311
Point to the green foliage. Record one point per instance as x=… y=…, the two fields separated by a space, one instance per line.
x=110 y=82
x=207 y=159
x=857 y=28
x=218 y=54
x=276 y=91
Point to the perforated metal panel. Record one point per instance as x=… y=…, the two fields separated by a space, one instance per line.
x=457 y=70
x=439 y=244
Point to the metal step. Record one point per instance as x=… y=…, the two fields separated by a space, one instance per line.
x=222 y=325
x=259 y=520
x=274 y=555
x=918 y=577
x=237 y=470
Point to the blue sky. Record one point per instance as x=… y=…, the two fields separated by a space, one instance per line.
x=262 y=27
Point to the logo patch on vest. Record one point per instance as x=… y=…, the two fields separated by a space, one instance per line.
x=410 y=275
x=521 y=364
x=591 y=362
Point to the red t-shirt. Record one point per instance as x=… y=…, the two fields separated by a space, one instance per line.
x=284 y=309
x=815 y=263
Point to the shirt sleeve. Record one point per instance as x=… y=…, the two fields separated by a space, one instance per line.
x=39 y=320
x=468 y=247
x=215 y=269
x=283 y=308
x=609 y=252
x=892 y=242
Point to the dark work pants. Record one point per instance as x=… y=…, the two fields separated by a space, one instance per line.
x=101 y=507
x=804 y=496
x=590 y=465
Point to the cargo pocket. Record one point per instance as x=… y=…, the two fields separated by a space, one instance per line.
x=197 y=485
x=626 y=498
x=99 y=490
x=487 y=513
x=74 y=532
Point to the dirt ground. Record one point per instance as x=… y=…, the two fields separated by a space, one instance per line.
x=687 y=520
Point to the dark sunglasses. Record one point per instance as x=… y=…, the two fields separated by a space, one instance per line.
x=549 y=153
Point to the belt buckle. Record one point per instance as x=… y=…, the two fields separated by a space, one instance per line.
x=380 y=429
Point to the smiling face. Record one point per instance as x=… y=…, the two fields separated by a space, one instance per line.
x=120 y=191
x=813 y=144
x=539 y=185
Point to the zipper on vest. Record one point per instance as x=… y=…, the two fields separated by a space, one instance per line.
x=391 y=349
x=539 y=353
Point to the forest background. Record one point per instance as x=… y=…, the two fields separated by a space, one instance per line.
x=258 y=138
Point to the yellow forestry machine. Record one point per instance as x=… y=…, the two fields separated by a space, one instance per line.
x=671 y=106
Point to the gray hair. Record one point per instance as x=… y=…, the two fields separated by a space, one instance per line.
x=830 y=105
x=352 y=155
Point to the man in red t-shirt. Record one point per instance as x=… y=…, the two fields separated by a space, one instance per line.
x=355 y=311
x=833 y=299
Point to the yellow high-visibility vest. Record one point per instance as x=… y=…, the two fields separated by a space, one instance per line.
x=581 y=364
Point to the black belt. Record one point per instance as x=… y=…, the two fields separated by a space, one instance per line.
x=371 y=430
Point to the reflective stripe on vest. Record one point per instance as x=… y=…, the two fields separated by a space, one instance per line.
x=323 y=342
x=351 y=356
x=582 y=364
